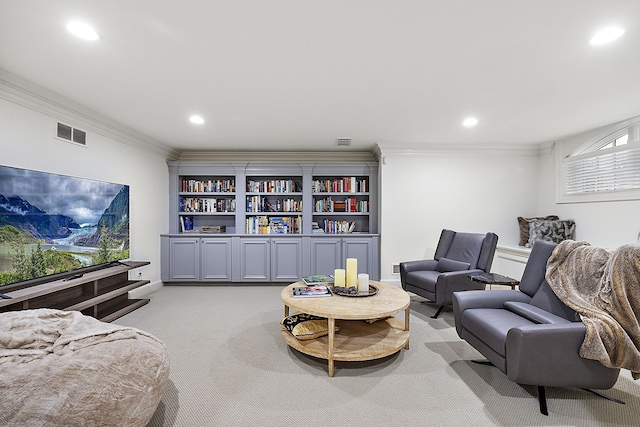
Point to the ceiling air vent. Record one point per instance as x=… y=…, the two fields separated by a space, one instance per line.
x=343 y=142
x=68 y=133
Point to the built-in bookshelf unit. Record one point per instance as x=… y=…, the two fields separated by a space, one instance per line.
x=269 y=222
x=206 y=201
x=341 y=205
x=273 y=205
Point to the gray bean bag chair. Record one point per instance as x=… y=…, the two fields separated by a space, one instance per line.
x=62 y=368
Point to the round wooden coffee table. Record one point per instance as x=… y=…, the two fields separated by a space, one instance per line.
x=356 y=338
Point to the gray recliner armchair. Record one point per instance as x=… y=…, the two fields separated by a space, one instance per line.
x=530 y=334
x=457 y=256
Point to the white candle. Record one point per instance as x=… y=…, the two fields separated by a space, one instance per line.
x=338 y=277
x=352 y=272
x=363 y=282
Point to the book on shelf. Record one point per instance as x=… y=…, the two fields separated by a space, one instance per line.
x=311 y=291
x=186 y=224
x=318 y=279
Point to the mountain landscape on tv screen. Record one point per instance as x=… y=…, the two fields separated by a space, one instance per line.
x=52 y=223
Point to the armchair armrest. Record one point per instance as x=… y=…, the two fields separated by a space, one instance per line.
x=556 y=348
x=409 y=266
x=483 y=299
x=455 y=281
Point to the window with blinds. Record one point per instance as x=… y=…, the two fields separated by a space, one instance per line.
x=615 y=169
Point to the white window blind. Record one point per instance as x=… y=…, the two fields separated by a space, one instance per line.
x=610 y=170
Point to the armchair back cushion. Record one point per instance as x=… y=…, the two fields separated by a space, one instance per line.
x=536 y=267
x=466 y=247
x=547 y=300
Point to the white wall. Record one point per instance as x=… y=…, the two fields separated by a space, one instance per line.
x=422 y=193
x=605 y=224
x=27 y=142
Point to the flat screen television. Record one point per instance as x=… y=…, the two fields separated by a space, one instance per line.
x=52 y=226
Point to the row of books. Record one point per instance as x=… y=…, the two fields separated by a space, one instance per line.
x=349 y=184
x=350 y=204
x=199 y=204
x=208 y=186
x=273 y=186
x=262 y=204
x=338 y=227
x=274 y=225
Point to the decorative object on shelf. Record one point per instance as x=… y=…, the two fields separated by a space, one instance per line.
x=363 y=282
x=339 y=277
x=352 y=272
x=214 y=229
x=353 y=291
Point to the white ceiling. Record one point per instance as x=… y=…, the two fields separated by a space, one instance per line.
x=296 y=74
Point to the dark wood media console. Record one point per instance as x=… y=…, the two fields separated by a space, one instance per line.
x=101 y=293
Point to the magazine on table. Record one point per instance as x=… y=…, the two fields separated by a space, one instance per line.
x=311 y=291
x=319 y=279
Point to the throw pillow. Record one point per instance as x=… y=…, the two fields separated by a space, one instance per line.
x=446 y=264
x=523 y=224
x=306 y=326
x=552 y=231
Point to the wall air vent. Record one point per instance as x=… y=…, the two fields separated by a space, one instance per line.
x=71 y=134
x=343 y=142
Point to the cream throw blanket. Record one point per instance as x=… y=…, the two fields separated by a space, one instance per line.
x=603 y=287
x=61 y=368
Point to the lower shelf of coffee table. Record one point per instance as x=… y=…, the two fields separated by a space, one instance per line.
x=356 y=340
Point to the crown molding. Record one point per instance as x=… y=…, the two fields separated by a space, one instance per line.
x=464 y=150
x=275 y=156
x=37 y=98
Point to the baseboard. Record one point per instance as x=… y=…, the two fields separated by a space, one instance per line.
x=392 y=281
x=145 y=290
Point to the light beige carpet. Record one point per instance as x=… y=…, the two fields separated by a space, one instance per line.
x=230 y=367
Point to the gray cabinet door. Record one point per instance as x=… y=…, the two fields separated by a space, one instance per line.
x=216 y=259
x=286 y=259
x=255 y=260
x=185 y=259
x=326 y=255
x=360 y=249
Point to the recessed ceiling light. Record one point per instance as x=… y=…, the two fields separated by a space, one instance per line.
x=470 y=122
x=606 y=35
x=197 y=120
x=82 y=30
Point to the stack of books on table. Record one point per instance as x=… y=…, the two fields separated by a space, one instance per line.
x=315 y=286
